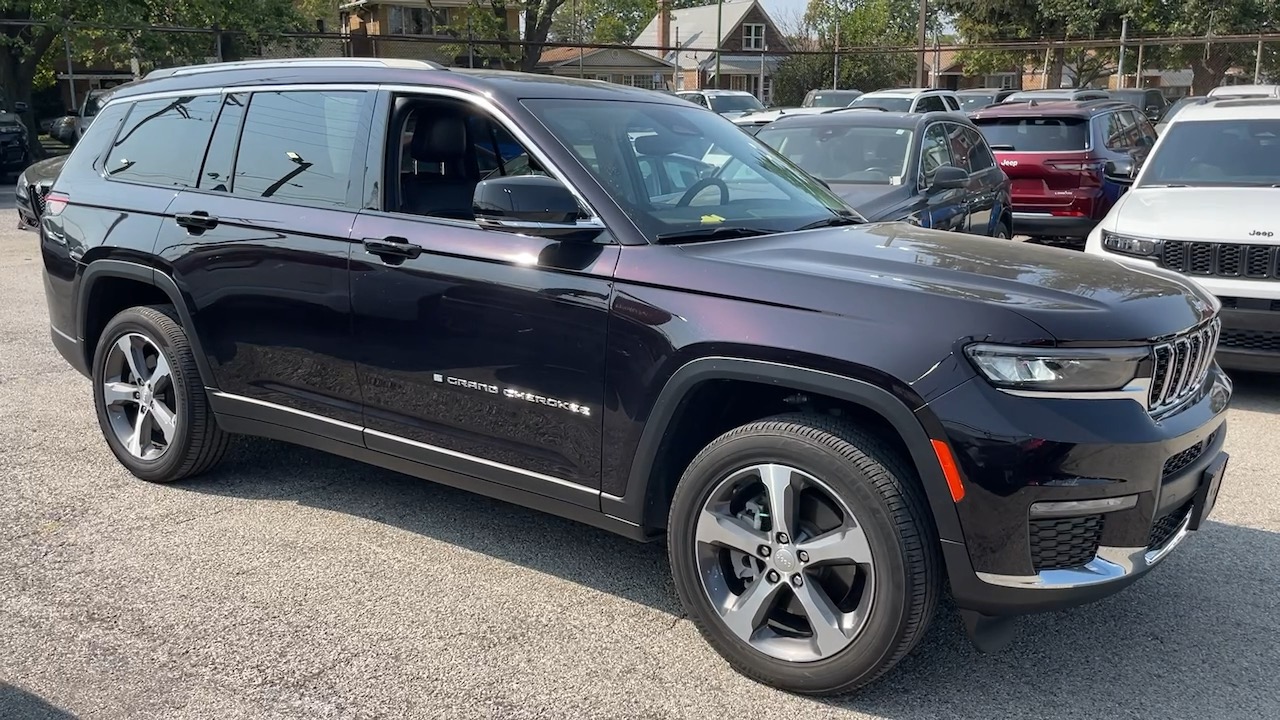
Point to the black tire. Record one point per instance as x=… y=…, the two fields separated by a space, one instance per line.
x=199 y=444
x=883 y=492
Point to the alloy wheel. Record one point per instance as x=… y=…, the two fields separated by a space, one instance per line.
x=139 y=396
x=785 y=563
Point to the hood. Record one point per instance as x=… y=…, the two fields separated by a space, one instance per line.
x=1198 y=213
x=1075 y=298
x=871 y=201
x=45 y=171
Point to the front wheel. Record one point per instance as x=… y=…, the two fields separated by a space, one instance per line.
x=803 y=552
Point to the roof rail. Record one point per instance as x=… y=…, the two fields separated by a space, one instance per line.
x=292 y=62
x=854 y=107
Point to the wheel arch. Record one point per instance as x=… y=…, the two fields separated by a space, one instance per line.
x=641 y=502
x=102 y=272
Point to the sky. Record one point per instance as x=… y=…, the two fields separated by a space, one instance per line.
x=784 y=10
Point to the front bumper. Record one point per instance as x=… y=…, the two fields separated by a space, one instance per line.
x=1016 y=452
x=1250 y=338
x=1045 y=225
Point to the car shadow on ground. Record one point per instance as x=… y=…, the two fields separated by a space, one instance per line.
x=1186 y=641
x=1256 y=392
x=18 y=703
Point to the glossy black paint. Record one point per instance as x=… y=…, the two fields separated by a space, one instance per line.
x=554 y=372
x=981 y=206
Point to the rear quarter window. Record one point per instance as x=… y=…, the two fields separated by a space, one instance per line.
x=1036 y=134
x=162 y=141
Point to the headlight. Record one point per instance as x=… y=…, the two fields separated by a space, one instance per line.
x=1057 y=369
x=1130 y=245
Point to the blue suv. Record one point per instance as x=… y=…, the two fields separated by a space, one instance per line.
x=931 y=169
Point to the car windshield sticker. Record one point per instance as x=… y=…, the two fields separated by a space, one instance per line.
x=711 y=219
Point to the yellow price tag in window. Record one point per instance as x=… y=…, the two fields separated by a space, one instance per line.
x=711 y=219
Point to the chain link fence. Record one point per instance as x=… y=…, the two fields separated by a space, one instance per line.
x=85 y=58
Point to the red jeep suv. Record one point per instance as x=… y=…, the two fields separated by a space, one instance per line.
x=1068 y=160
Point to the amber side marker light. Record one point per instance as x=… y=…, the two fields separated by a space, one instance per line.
x=949 y=469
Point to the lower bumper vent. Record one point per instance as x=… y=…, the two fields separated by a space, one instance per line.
x=1064 y=542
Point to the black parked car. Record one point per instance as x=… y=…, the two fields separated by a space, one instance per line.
x=973 y=99
x=826 y=421
x=32 y=185
x=932 y=169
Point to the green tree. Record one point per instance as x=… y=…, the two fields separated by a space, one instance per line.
x=849 y=23
x=1209 y=62
x=989 y=21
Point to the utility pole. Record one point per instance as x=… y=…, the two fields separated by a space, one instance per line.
x=719 y=39
x=922 y=43
x=835 y=56
x=1257 y=62
x=1124 y=35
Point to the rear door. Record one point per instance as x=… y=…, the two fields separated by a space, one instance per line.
x=261 y=248
x=1048 y=160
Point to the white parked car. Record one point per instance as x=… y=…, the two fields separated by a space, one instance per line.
x=1204 y=205
x=912 y=100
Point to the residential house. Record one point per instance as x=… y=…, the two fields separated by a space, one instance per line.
x=617 y=65
x=690 y=44
x=416 y=29
x=947 y=71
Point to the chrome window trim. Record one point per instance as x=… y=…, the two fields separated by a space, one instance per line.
x=488 y=106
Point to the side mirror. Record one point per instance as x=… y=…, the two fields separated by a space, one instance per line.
x=530 y=205
x=1119 y=171
x=949 y=177
x=21 y=108
x=1154 y=113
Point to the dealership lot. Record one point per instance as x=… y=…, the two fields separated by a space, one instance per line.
x=296 y=585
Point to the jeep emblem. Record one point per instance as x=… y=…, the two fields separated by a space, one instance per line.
x=1009 y=163
x=1261 y=233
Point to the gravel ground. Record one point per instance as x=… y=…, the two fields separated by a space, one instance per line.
x=290 y=584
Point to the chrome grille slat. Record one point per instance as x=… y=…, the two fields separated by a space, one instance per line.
x=1181 y=364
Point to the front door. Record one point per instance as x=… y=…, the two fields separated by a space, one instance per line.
x=969 y=151
x=481 y=352
x=944 y=209
x=261 y=248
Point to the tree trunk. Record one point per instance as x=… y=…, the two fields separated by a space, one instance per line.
x=18 y=73
x=1053 y=73
x=1207 y=74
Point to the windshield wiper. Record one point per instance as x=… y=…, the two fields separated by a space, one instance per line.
x=836 y=221
x=722 y=232
x=1164 y=185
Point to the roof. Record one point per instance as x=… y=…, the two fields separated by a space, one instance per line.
x=904 y=92
x=499 y=84
x=1252 y=90
x=1049 y=108
x=695 y=29
x=714 y=93
x=569 y=55
x=868 y=118
x=1258 y=108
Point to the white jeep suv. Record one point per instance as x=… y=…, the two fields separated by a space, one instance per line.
x=1204 y=205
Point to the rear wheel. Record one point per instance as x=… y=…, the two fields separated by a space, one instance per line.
x=802 y=550
x=150 y=401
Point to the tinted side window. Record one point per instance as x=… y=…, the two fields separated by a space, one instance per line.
x=218 y=162
x=980 y=157
x=162 y=141
x=298 y=146
x=933 y=154
x=931 y=103
x=1118 y=128
x=958 y=143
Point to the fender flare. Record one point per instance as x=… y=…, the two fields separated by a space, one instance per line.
x=633 y=506
x=100 y=269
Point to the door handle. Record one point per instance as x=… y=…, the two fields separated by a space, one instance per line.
x=393 y=250
x=198 y=220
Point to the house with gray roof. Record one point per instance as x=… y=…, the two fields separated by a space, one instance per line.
x=747 y=46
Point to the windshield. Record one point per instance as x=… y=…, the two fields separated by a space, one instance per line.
x=973 y=102
x=1036 y=134
x=734 y=103
x=840 y=153
x=834 y=98
x=1216 y=153
x=677 y=169
x=892 y=104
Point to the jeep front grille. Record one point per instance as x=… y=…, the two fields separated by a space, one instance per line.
x=1181 y=364
x=1221 y=259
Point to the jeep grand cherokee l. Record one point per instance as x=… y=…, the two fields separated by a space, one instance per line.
x=825 y=419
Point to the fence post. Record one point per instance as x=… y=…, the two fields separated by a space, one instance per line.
x=71 y=70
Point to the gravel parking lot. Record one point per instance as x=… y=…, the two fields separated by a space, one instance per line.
x=291 y=584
